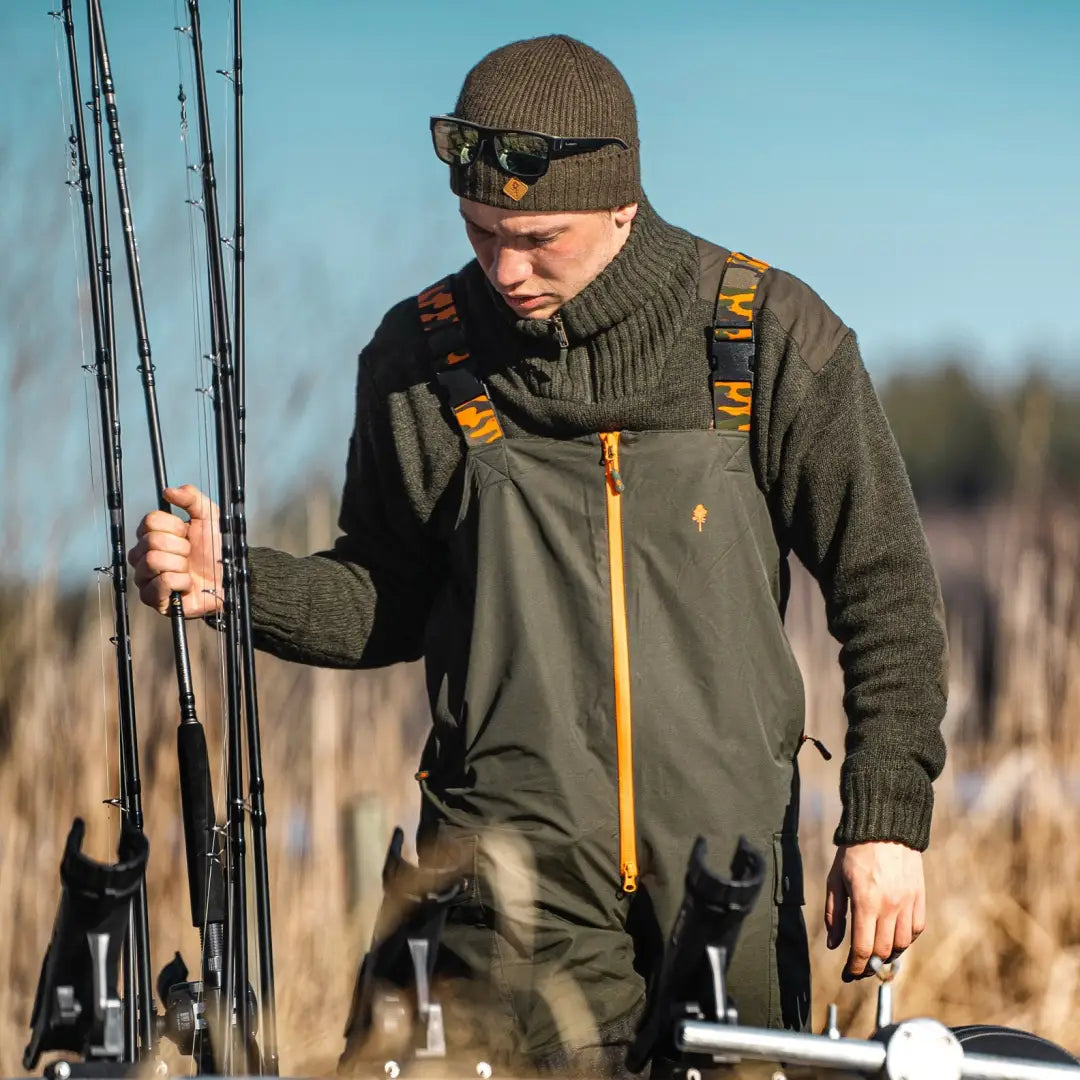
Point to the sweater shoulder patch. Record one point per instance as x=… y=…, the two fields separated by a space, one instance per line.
x=814 y=327
x=711 y=261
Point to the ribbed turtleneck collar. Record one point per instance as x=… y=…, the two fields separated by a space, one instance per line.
x=620 y=329
x=653 y=266
x=647 y=265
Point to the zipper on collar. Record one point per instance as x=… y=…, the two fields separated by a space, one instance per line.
x=560 y=331
x=628 y=867
x=560 y=336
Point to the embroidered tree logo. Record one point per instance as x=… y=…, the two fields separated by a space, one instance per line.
x=699 y=516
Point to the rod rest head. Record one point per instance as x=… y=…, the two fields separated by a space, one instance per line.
x=690 y=982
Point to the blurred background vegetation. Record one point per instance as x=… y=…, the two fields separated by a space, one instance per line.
x=969 y=440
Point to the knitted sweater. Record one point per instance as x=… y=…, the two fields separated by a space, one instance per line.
x=635 y=358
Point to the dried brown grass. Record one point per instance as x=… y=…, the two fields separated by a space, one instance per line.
x=1003 y=942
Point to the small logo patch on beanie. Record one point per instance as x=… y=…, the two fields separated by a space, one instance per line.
x=515 y=189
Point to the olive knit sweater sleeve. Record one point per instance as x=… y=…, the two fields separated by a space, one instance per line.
x=841 y=500
x=363 y=603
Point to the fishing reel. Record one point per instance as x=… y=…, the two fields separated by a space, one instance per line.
x=193 y=1013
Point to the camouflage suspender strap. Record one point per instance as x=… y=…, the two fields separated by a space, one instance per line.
x=731 y=344
x=464 y=392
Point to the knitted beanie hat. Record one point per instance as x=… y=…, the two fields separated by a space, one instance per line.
x=559 y=86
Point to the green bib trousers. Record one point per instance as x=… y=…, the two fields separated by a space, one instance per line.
x=565 y=686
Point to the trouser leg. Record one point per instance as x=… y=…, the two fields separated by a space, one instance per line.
x=568 y=1000
x=603 y=1059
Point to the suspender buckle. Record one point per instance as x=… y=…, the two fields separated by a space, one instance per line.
x=732 y=360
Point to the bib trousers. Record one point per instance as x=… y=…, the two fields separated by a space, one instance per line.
x=609 y=678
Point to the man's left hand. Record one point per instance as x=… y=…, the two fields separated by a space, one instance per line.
x=883 y=883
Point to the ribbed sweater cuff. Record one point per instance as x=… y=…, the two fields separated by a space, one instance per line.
x=886 y=803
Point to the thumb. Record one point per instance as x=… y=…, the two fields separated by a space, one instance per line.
x=190 y=499
x=836 y=905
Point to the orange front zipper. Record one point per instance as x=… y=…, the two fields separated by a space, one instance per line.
x=628 y=867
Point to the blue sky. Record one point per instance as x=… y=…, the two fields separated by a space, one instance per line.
x=918 y=164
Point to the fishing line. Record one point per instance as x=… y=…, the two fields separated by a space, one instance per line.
x=201 y=410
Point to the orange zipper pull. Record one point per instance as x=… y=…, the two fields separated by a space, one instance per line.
x=610 y=442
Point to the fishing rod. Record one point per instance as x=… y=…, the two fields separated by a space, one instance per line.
x=104 y=370
x=206 y=887
x=239 y=311
x=256 y=784
x=239 y=649
x=235 y=968
x=131 y=1034
x=105 y=252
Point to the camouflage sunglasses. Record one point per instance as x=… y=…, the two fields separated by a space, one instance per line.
x=523 y=154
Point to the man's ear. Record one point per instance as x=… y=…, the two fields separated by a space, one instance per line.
x=623 y=215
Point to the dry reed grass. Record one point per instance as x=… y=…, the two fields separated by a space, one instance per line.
x=1003 y=938
x=1003 y=942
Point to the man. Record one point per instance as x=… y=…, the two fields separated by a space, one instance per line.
x=563 y=496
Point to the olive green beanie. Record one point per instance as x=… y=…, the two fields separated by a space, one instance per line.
x=559 y=86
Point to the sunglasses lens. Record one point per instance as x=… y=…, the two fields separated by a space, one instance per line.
x=455 y=143
x=521 y=154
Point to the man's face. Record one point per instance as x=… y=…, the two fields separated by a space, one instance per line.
x=540 y=260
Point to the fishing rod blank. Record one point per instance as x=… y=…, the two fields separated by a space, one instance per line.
x=104 y=371
x=131 y=1032
x=239 y=309
x=256 y=785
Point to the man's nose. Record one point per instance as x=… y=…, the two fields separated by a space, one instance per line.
x=510 y=269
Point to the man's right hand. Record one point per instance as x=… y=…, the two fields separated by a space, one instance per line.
x=174 y=555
